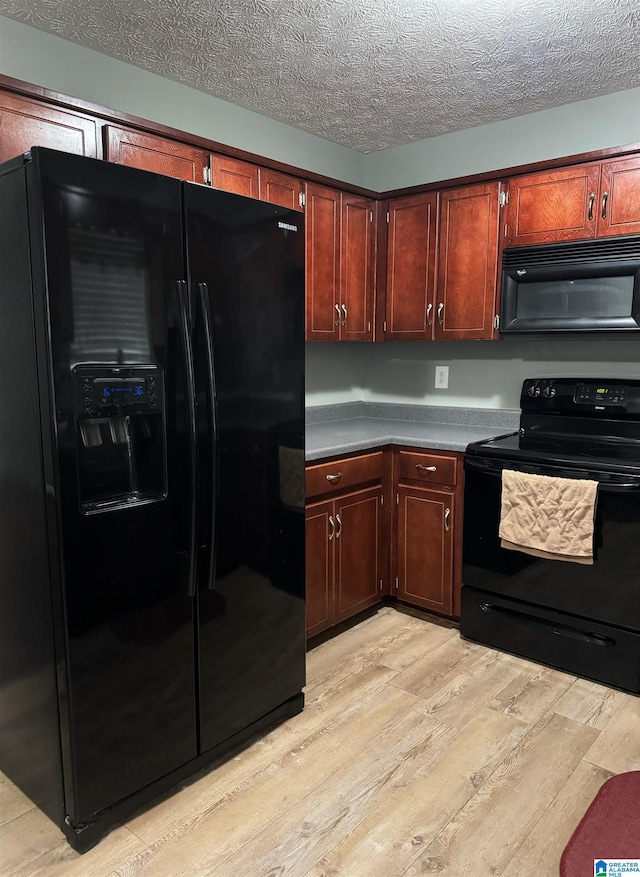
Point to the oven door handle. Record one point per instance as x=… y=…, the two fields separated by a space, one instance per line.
x=494 y=469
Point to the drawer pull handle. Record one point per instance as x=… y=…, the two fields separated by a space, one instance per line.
x=604 y=205
x=440 y=309
x=333 y=478
x=592 y=198
x=333 y=528
x=344 y=311
x=339 y=520
x=429 y=309
x=427 y=468
x=337 y=307
x=447 y=512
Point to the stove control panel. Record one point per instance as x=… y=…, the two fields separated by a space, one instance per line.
x=602 y=395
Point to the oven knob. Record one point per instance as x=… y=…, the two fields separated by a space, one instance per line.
x=534 y=390
x=549 y=391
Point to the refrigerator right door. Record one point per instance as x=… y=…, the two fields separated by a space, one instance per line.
x=246 y=265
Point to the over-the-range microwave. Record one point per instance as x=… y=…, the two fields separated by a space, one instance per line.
x=582 y=286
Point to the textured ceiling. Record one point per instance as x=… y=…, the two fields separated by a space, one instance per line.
x=368 y=74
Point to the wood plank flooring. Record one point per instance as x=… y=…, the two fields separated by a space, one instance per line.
x=417 y=752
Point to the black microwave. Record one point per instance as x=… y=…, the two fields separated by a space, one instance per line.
x=583 y=286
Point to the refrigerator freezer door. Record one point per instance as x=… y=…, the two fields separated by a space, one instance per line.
x=117 y=371
x=248 y=258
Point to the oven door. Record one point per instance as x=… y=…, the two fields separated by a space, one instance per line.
x=583 y=619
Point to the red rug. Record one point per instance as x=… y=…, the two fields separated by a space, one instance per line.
x=610 y=829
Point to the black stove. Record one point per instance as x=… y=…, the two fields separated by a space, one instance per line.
x=586 y=423
x=581 y=619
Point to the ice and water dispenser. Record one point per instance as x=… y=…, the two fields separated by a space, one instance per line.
x=120 y=436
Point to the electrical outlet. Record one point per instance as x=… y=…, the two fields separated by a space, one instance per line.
x=442 y=377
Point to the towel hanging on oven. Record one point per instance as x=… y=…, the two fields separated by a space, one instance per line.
x=548 y=516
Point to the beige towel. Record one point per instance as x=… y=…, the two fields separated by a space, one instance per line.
x=548 y=517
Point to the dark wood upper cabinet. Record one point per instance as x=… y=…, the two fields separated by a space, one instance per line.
x=322 y=234
x=599 y=199
x=340 y=232
x=357 y=267
x=280 y=189
x=233 y=175
x=553 y=206
x=465 y=303
x=25 y=123
x=619 y=202
x=411 y=263
x=149 y=152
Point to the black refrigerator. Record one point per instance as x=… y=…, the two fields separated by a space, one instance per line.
x=152 y=481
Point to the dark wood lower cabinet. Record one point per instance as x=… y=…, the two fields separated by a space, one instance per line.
x=345 y=557
x=359 y=555
x=427 y=531
x=361 y=546
x=348 y=523
x=319 y=567
x=425 y=547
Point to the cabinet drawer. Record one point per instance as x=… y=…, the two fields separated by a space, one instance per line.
x=428 y=468
x=329 y=477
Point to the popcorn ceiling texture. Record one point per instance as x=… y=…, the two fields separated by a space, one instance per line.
x=367 y=74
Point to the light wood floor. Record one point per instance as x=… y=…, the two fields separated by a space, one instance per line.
x=416 y=753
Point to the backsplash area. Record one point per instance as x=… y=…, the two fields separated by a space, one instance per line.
x=482 y=374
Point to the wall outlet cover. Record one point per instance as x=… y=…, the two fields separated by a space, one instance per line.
x=442 y=377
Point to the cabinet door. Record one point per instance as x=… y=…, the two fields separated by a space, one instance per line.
x=25 y=123
x=411 y=262
x=468 y=262
x=425 y=547
x=233 y=175
x=358 y=547
x=280 y=189
x=553 y=206
x=357 y=269
x=322 y=234
x=149 y=152
x=320 y=535
x=619 y=202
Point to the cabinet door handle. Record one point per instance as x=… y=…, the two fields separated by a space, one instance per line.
x=429 y=309
x=344 y=311
x=337 y=307
x=335 y=477
x=427 y=468
x=339 y=520
x=333 y=528
x=592 y=198
x=447 y=512
x=604 y=205
x=440 y=309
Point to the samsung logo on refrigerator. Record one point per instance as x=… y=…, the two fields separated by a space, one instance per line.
x=287 y=226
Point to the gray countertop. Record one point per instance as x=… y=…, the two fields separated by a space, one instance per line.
x=332 y=430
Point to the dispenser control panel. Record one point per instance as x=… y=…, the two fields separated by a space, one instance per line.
x=124 y=390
